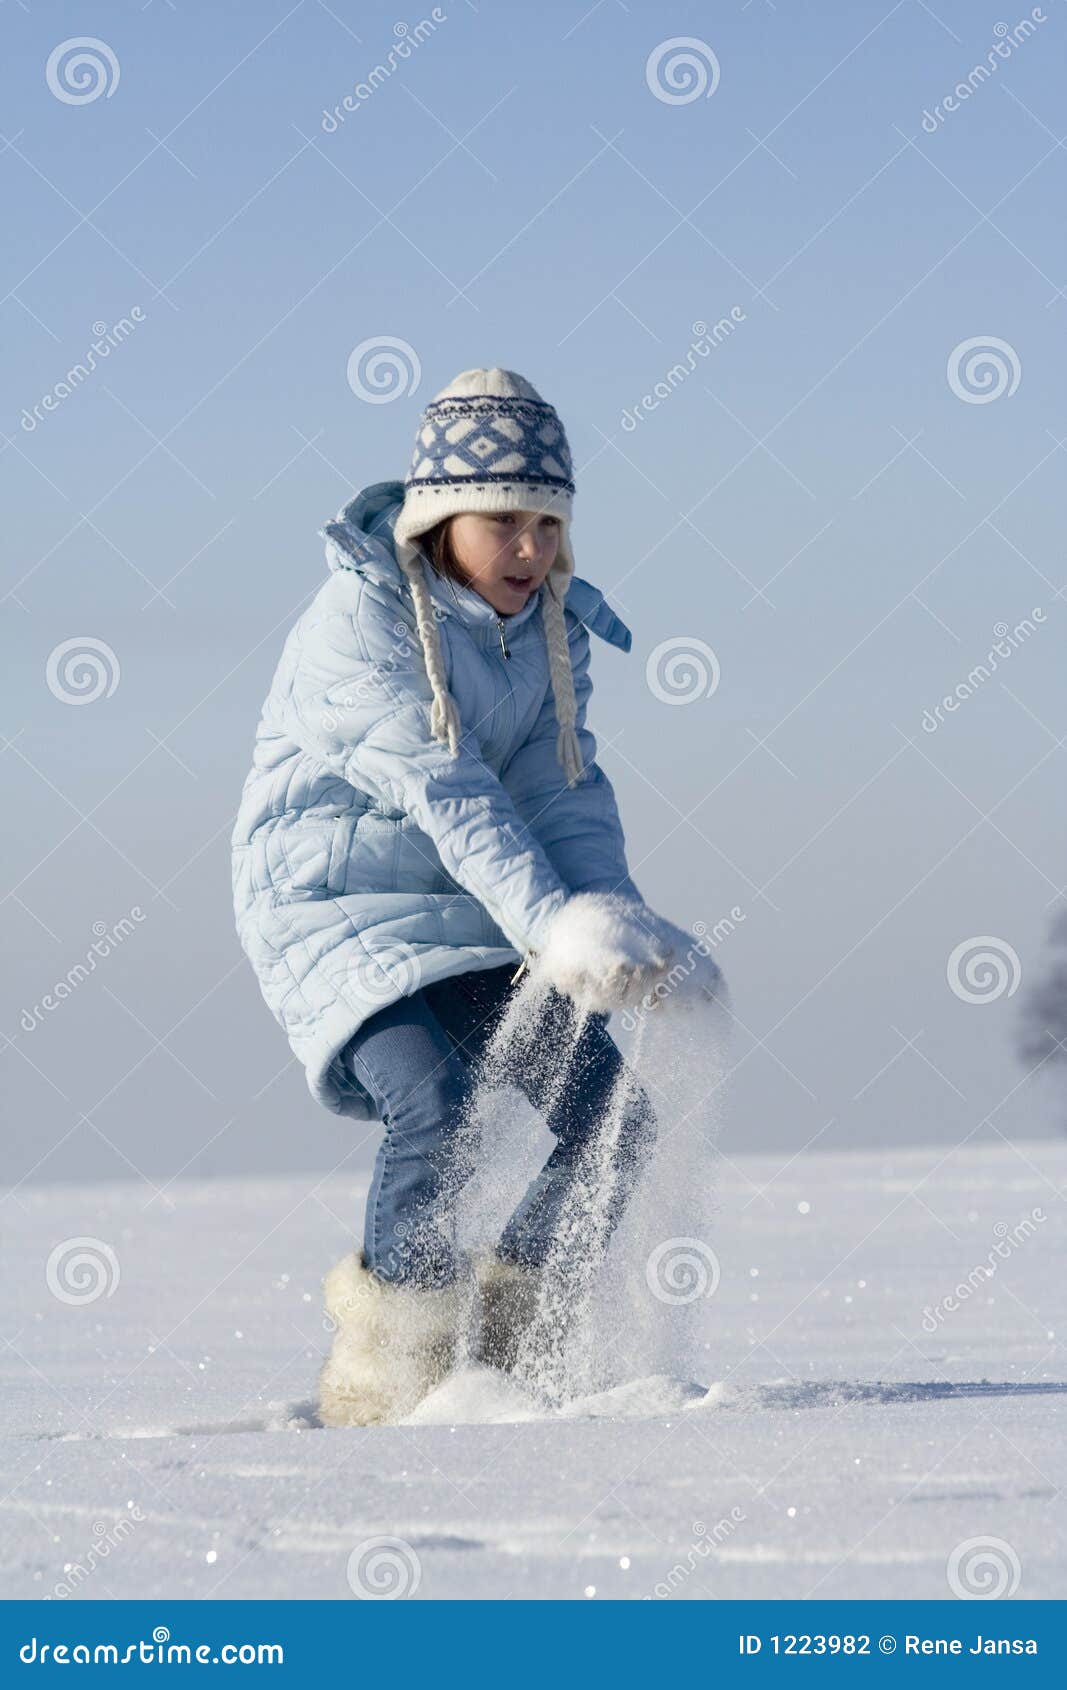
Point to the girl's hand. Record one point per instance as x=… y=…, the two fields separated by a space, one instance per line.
x=607 y=952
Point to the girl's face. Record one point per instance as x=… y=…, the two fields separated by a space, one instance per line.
x=505 y=555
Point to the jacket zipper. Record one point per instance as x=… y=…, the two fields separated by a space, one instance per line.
x=500 y=631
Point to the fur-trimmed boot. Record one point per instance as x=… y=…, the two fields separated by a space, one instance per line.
x=392 y=1345
x=509 y=1301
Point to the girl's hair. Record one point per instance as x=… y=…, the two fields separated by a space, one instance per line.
x=436 y=542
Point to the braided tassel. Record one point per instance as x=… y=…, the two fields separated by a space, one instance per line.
x=569 y=753
x=568 y=749
x=445 y=722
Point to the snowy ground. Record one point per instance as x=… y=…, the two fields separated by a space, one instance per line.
x=157 y=1441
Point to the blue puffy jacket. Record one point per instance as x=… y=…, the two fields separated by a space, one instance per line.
x=368 y=860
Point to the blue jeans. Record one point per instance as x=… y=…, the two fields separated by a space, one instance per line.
x=416 y=1060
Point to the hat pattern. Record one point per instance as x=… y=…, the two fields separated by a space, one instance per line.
x=491 y=438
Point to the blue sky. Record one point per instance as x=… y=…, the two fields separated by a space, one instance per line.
x=827 y=502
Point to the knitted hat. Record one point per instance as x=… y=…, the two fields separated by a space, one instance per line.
x=489 y=442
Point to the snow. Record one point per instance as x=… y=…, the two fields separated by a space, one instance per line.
x=478 y=1395
x=844 y=1434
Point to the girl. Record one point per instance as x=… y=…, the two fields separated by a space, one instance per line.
x=423 y=812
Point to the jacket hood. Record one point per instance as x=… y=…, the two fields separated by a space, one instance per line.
x=360 y=537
